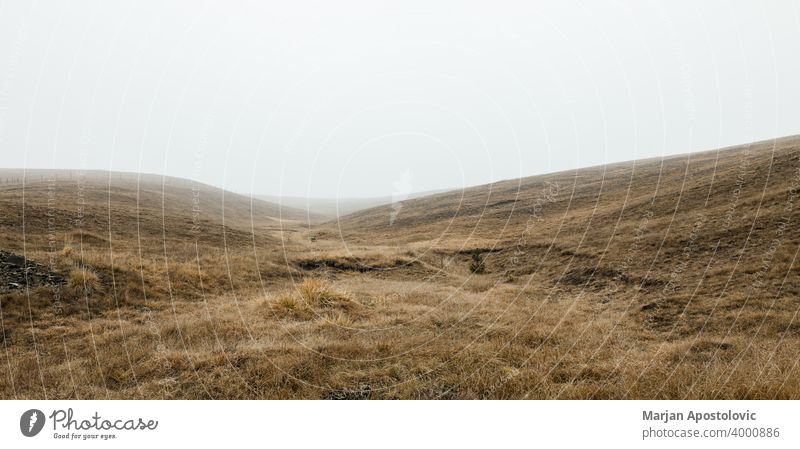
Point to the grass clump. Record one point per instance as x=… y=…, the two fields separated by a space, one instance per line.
x=311 y=298
x=84 y=278
x=320 y=293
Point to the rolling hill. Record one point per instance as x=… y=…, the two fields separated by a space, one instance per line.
x=662 y=278
x=707 y=226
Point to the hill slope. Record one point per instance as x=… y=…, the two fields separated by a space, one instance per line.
x=649 y=279
x=143 y=236
x=684 y=236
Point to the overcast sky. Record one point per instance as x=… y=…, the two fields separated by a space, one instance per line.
x=353 y=99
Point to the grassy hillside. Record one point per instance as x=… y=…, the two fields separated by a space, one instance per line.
x=697 y=232
x=672 y=278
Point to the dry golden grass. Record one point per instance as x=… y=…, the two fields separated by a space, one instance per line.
x=83 y=278
x=320 y=293
x=310 y=298
x=649 y=280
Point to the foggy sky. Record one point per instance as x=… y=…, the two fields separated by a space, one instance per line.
x=352 y=99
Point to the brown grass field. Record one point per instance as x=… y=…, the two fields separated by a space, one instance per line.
x=652 y=279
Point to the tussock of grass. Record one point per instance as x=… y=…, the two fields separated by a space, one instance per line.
x=83 y=278
x=320 y=293
x=66 y=252
x=310 y=298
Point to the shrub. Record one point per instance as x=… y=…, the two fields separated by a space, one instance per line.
x=478 y=265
